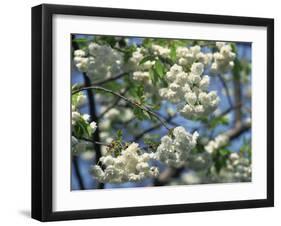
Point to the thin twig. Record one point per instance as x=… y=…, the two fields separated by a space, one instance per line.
x=102 y=82
x=154 y=127
x=113 y=104
x=126 y=99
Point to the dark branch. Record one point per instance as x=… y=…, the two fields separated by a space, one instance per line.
x=226 y=90
x=77 y=172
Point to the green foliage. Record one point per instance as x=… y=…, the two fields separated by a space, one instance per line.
x=152 y=141
x=220 y=157
x=160 y=68
x=222 y=120
x=82 y=129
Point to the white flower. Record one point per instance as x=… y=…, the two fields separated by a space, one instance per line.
x=223 y=60
x=75 y=117
x=112 y=114
x=187 y=56
x=101 y=62
x=220 y=141
x=190 y=91
x=238 y=168
x=86 y=117
x=137 y=56
x=79 y=53
x=141 y=75
x=197 y=68
x=204 y=83
x=93 y=126
x=160 y=51
x=148 y=64
x=175 y=150
x=130 y=165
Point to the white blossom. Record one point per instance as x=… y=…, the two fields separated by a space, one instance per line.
x=141 y=76
x=112 y=114
x=220 y=141
x=224 y=59
x=174 y=149
x=102 y=61
x=130 y=165
x=187 y=56
x=238 y=168
x=93 y=126
x=137 y=56
x=160 y=50
x=190 y=91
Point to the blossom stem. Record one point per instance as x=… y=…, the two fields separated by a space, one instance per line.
x=126 y=99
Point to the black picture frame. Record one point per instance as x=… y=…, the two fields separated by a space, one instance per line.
x=42 y=111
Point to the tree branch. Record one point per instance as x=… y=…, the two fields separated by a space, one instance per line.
x=102 y=82
x=93 y=115
x=124 y=98
x=226 y=90
x=113 y=104
x=77 y=172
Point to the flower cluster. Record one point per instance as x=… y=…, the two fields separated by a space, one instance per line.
x=240 y=167
x=175 y=148
x=129 y=165
x=141 y=71
x=223 y=60
x=99 y=61
x=187 y=56
x=190 y=91
x=219 y=141
x=81 y=125
x=160 y=51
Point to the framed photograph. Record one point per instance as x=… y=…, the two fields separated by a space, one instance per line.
x=146 y=112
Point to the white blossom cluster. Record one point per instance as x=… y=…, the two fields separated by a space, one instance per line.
x=175 y=149
x=77 y=145
x=224 y=59
x=240 y=167
x=141 y=71
x=99 y=61
x=130 y=165
x=187 y=56
x=219 y=141
x=160 y=51
x=190 y=91
x=76 y=117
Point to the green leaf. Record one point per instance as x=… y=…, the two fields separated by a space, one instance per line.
x=173 y=53
x=119 y=134
x=160 y=68
x=220 y=158
x=153 y=76
x=147 y=58
x=223 y=120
